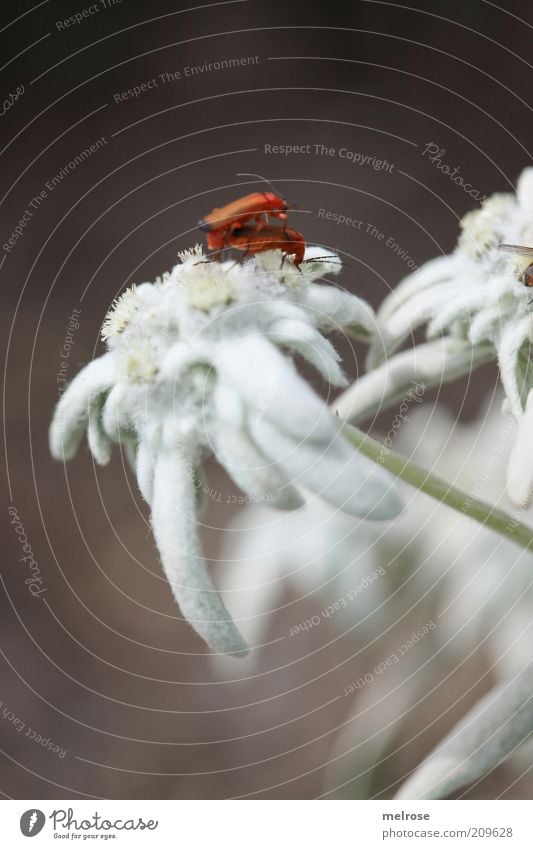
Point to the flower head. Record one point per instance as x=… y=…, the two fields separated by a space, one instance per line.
x=197 y=364
x=475 y=308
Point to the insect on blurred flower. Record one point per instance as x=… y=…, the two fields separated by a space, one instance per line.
x=476 y=308
x=197 y=364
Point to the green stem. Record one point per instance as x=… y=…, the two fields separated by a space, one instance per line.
x=485 y=514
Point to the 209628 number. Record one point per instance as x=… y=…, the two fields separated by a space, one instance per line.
x=486 y=831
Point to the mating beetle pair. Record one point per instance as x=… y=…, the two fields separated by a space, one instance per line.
x=244 y=224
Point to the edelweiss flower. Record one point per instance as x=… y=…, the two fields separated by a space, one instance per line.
x=196 y=364
x=475 y=308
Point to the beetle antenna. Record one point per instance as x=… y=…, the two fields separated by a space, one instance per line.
x=264 y=179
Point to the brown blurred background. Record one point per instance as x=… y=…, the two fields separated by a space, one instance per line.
x=101 y=663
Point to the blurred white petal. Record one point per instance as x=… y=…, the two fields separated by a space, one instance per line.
x=257 y=476
x=485 y=737
x=460 y=306
x=370 y=732
x=520 y=464
x=524 y=190
x=402 y=324
x=512 y=338
x=406 y=377
x=331 y=468
x=434 y=271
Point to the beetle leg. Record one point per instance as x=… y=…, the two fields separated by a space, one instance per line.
x=259 y=223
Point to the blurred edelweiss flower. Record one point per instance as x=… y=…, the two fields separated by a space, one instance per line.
x=475 y=308
x=197 y=364
x=473 y=577
x=361 y=580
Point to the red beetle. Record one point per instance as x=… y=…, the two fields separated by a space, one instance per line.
x=257 y=207
x=252 y=241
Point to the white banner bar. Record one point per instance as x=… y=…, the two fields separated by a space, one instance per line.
x=264 y=824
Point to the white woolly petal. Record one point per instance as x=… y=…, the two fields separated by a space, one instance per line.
x=437 y=270
x=489 y=732
x=524 y=191
x=174 y=524
x=486 y=324
x=281 y=310
x=310 y=344
x=402 y=323
x=128 y=443
x=407 y=375
x=460 y=305
x=99 y=442
x=116 y=412
x=145 y=470
x=72 y=411
x=519 y=471
x=269 y=384
x=229 y=406
x=512 y=337
x=319 y=261
x=181 y=356
x=257 y=476
x=334 y=309
x=332 y=469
